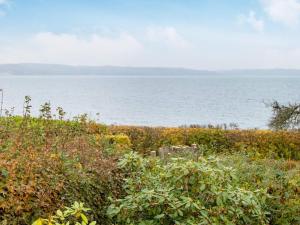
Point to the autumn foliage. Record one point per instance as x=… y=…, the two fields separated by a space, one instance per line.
x=46 y=164
x=263 y=143
x=49 y=162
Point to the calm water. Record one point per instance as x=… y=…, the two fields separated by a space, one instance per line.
x=167 y=101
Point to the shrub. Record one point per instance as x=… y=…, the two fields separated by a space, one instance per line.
x=185 y=192
x=45 y=164
x=281 y=179
x=74 y=215
x=49 y=162
x=116 y=144
x=143 y=139
x=265 y=143
x=285 y=116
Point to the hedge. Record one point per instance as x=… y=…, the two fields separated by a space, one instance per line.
x=266 y=143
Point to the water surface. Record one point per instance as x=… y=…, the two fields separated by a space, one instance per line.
x=157 y=101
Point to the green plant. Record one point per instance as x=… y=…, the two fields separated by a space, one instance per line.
x=285 y=116
x=26 y=106
x=281 y=179
x=46 y=163
x=185 y=192
x=74 y=215
x=51 y=161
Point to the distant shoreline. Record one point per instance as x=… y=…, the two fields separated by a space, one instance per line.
x=66 y=70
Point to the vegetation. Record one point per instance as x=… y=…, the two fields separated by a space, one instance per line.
x=262 y=143
x=185 y=192
x=46 y=163
x=71 y=215
x=280 y=178
x=241 y=176
x=285 y=116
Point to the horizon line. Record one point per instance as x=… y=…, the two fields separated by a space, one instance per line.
x=149 y=67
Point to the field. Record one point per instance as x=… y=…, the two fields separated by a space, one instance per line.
x=232 y=176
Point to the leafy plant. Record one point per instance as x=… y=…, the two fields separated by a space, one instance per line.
x=74 y=215
x=264 y=143
x=47 y=162
x=281 y=179
x=185 y=192
x=285 y=116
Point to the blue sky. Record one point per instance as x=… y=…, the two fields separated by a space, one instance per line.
x=204 y=34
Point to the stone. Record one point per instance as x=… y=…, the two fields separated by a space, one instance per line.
x=153 y=154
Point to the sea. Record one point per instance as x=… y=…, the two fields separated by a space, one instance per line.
x=169 y=101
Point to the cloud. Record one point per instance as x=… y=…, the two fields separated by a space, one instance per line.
x=49 y=47
x=284 y=11
x=167 y=35
x=4 y=2
x=256 y=24
x=211 y=49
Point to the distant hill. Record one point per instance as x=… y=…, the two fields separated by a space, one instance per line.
x=262 y=72
x=56 y=69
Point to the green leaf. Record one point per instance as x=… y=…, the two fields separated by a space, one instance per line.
x=59 y=213
x=83 y=217
x=180 y=212
x=159 y=216
x=219 y=201
x=4 y=173
x=76 y=205
x=202 y=187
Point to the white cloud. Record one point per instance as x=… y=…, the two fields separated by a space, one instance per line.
x=256 y=24
x=70 y=49
x=167 y=35
x=211 y=49
x=283 y=11
x=4 y=2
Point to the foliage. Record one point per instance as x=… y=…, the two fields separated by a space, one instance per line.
x=143 y=139
x=281 y=179
x=285 y=116
x=264 y=143
x=49 y=162
x=76 y=214
x=185 y=192
x=115 y=144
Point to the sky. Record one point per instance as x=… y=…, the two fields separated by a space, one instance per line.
x=200 y=34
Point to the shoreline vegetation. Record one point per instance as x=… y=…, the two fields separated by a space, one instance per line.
x=232 y=176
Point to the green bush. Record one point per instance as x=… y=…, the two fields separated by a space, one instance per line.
x=74 y=215
x=185 y=192
x=281 y=179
